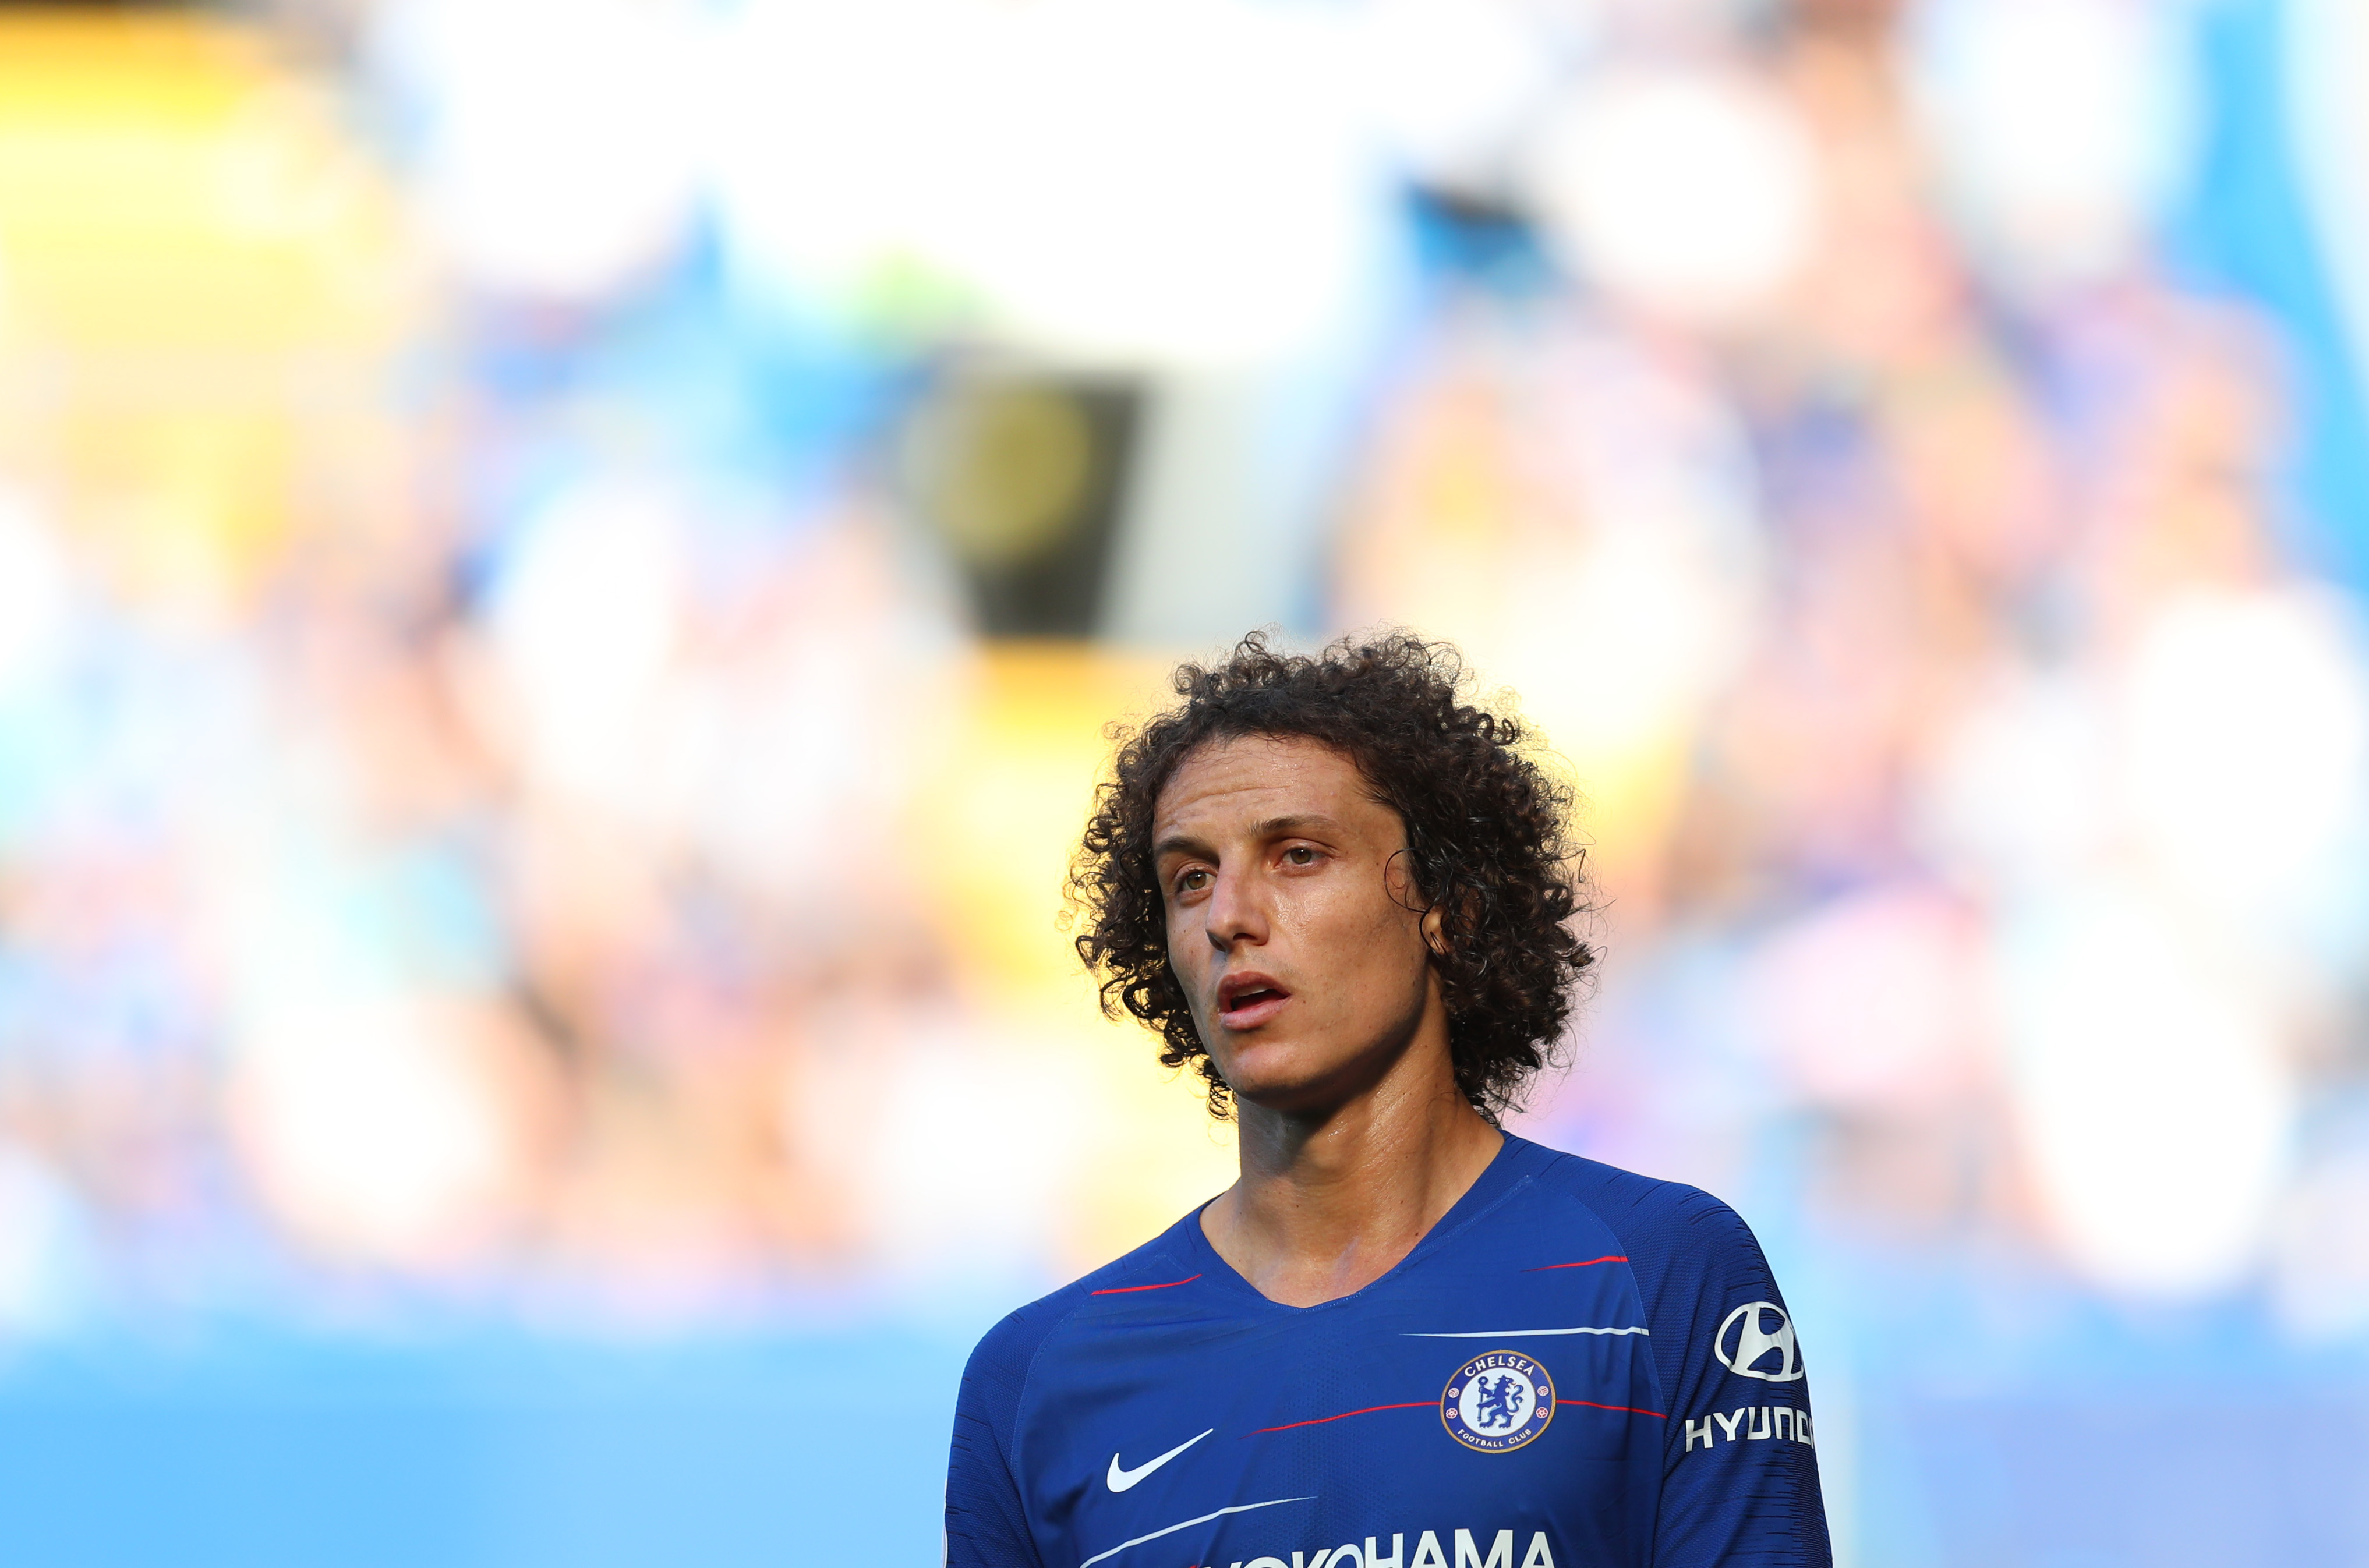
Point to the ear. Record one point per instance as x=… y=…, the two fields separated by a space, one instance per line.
x=1435 y=933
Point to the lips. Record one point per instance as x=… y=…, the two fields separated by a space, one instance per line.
x=1249 y=999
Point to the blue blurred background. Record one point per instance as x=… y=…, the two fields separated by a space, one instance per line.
x=563 y=566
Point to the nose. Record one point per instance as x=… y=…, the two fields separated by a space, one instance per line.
x=1236 y=912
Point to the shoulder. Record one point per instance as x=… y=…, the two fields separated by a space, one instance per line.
x=1000 y=1364
x=1676 y=1237
x=1662 y=1215
x=1697 y=1267
x=987 y=1513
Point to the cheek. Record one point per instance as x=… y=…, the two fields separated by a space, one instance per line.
x=1186 y=958
x=1363 y=929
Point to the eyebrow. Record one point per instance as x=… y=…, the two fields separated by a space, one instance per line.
x=1298 y=822
x=1269 y=828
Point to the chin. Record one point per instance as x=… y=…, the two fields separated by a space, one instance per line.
x=1282 y=1076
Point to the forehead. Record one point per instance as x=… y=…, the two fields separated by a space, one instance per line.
x=1255 y=777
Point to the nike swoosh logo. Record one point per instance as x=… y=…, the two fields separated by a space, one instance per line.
x=1120 y=1480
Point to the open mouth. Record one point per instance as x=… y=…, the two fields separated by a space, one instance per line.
x=1246 y=1000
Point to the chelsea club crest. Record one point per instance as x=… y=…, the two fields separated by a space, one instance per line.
x=1498 y=1401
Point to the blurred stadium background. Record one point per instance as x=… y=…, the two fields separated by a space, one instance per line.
x=562 y=567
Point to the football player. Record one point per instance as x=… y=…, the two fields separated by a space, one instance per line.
x=1403 y=1338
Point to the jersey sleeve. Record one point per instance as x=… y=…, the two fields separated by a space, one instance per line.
x=987 y=1525
x=1740 y=1470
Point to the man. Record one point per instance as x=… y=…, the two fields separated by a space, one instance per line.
x=1403 y=1338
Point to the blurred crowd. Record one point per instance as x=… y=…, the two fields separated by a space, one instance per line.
x=562 y=567
x=1978 y=785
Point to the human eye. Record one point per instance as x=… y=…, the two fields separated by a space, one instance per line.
x=1302 y=857
x=1192 y=879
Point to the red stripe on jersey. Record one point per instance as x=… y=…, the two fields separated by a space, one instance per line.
x=1126 y=1289
x=1321 y=1420
x=1626 y=1409
x=1591 y=1262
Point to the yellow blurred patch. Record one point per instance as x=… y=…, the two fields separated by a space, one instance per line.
x=999 y=827
x=163 y=181
x=203 y=280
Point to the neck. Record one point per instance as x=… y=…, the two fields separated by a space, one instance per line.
x=1330 y=1201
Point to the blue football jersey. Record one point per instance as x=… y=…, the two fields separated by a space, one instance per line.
x=1575 y=1367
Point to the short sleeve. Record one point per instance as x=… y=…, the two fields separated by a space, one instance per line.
x=987 y=1525
x=1740 y=1470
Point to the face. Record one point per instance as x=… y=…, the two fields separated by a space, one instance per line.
x=1289 y=923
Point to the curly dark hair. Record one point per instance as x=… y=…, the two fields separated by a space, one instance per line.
x=1487 y=839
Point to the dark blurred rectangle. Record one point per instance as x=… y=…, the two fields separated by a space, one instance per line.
x=1022 y=478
